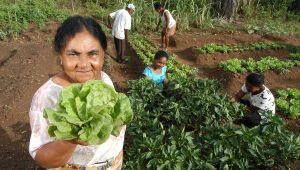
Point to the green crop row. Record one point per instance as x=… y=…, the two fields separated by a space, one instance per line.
x=288 y=102
x=222 y=48
x=250 y=65
x=294 y=56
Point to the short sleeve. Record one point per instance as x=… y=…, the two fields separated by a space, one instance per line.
x=39 y=132
x=244 y=89
x=106 y=79
x=164 y=70
x=45 y=97
x=147 y=72
x=127 y=22
x=112 y=15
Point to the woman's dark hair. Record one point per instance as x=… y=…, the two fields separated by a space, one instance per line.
x=256 y=79
x=157 y=5
x=160 y=54
x=76 y=24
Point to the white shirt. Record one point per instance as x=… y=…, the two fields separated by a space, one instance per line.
x=264 y=100
x=172 y=21
x=46 y=97
x=122 y=21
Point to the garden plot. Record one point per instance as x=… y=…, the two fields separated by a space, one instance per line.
x=191 y=126
x=208 y=64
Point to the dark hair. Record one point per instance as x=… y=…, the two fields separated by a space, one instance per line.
x=256 y=79
x=76 y=24
x=160 y=54
x=157 y=5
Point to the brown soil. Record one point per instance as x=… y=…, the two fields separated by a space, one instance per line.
x=26 y=62
x=122 y=73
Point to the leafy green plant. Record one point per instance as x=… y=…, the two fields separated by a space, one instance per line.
x=89 y=112
x=250 y=65
x=223 y=48
x=233 y=65
x=15 y=16
x=294 y=56
x=288 y=102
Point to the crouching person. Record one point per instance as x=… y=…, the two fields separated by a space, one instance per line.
x=257 y=97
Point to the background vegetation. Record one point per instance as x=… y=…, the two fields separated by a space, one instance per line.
x=268 y=16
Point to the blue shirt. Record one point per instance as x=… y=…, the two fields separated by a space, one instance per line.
x=156 y=78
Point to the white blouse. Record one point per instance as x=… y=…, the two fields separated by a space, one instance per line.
x=172 y=21
x=46 y=97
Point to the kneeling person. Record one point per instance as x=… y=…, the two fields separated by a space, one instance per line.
x=260 y=99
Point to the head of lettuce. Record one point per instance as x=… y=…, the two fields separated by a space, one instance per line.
x=89 y=112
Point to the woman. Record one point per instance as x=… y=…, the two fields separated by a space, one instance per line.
x=80 y=44
x=169 y=25
x=158 y=69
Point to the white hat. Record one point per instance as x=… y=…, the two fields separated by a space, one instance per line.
x=131 y=6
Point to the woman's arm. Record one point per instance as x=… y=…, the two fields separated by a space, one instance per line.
x=55 y=154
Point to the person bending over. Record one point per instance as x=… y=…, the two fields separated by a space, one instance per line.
x=121 y=24
x=168 y=22
x=257 y=97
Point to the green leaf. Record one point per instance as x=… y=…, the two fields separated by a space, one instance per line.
x=90 y=112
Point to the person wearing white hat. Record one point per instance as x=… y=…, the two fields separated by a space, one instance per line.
x=120 y=27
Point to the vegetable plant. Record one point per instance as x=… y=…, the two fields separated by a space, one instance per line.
x=250 y=65
x=89 y=112
x=223 y=48
x=294 y=56
x=288 y=102
x=190 y=126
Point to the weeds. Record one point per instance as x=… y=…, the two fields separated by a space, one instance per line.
x=15 y=17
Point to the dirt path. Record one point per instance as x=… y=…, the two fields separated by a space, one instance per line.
x=25 y=64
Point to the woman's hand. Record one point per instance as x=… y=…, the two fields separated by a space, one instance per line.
x=79 y=142
x=55 y=154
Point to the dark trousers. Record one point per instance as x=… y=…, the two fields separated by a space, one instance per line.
x=251 y=119
x=120 y=48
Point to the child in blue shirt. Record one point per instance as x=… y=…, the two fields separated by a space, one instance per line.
x=158 y=69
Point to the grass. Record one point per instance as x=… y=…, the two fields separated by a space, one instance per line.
x=262 y=17
x=15 y=17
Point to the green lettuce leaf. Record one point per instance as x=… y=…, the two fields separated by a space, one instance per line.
x=90 y=112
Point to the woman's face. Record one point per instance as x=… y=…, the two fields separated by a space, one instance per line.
x=159 y=63
x=82 y=58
